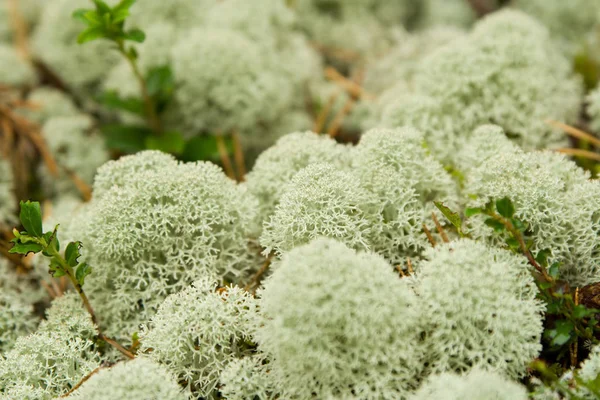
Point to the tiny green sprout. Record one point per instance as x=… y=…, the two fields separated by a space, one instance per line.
x=452 y=216
x=107 y=23
x=34 y=240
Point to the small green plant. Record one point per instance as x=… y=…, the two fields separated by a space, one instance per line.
x=567 y=321
x=34 y=240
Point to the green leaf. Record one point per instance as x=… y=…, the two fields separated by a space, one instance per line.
x=505 y=207
x=135 y=35
x=160 y=80
x=58 y=273
x=102 y=7
x=51 y=239
x=563 y=332
x=111 y=99
x=121 y=11
x=542 y=257
x=26 y=248
x=513 y=243
x=469 y=212
x=581 y=311
x=90 y=34
x=497 y=225
x=202 y=148
x=452 y=216
x=82 y=271
x=72 y=253
x=554 y=270
x=80 y=15
x=126 y=138
x=31 y=218
x=168 y=142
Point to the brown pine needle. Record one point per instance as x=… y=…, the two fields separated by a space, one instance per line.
x=353 y=88
x=402 y=274
x=225 y=160
x=325 y=111
x=256 y=278
x=410 y=267
x=440 y=228
x=82 y=381
x=429 y=235
x=580 y=153
x=238 y=154
x=20 y=29
x=336 y=124
x=84 y=188
x=117 y=346
x=575 y=132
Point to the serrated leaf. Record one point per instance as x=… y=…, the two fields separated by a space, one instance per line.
x=58 y=273
x=135 y=35
x=90 y=34
x=51 y=238
x=452 y=216
x=505 y=207
x=72 y=253
x=496 y=225
x=83 y=270
x=121 y=11
x=31 y=217
x=26 y=248
x=168 y=142
x=469 y=212
x=581 y=311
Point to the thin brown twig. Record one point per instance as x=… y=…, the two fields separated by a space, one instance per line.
x=117 y=346
x=580 y=153
x=334 y=128
x=82 y=381
x=84 y=188
x=440 y=228
x=574 y=345
x=429 y=236
x=225 y=160
x=238 y=154
x=50 y=291
x=20 y=29
x=575 y=132
x=324 y=113
x=402 y=274
x=351 y=87
x=410 y=267
x=256 y=278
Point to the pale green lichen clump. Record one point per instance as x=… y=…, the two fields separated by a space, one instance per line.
x=76 y=147
x=321 y=200
x=14 y=70
x=196 y=333
x=226 y=82
x=248 y=378
x=49 y=362
x=515 y=78
x=161 y=226
x=7 y=200
x=551 y=194
x=396 y=168
x=481 y=309
x=337 y=323
x=137 y=379
x=475 y=385
x=276 y=166
x=17 y=297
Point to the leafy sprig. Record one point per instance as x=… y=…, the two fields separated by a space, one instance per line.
x=567 y=321
x=34 y=240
